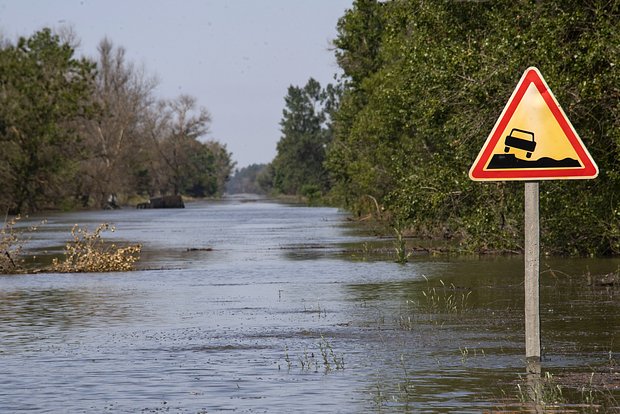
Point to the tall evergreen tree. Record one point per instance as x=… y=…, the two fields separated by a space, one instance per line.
x=44 y=92
x=298 y=166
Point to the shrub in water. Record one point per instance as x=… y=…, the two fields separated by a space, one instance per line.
x=10 y=247
x=88 y=253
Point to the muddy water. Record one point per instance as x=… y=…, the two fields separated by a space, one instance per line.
x=263 y=307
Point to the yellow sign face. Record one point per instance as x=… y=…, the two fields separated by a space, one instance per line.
x=533 y=139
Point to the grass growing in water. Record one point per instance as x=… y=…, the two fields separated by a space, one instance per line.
x=445 y=299
x=400 y=246
x=328 y=360
x=544 y=392
x=548 y=394
x=434 y=300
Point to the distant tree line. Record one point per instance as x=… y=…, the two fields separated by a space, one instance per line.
x=423 y=84
x=253 y=179
x=77 y=132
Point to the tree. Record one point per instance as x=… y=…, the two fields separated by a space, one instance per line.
x=424 y=83
x=183 y=164
x=116 y=142
x=185 y=124
x=44 y=92
x=221 y=168
x=75 y=131
x=245 y=180
x=298 y=164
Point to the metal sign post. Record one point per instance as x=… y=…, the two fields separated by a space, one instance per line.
x=532 y=271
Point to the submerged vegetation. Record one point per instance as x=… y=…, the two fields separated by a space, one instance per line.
x=445 y=299
x=10 y=247
x=326 y=359
x=87 y=252
x=557 y=393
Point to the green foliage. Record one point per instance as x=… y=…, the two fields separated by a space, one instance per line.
x=311 y=192
x=78 y=133
x=44 y=91
x=184 y=164
x=305 y=135
x=266 y=178
x=424 y=84
x=400 y=247
x=206 y=170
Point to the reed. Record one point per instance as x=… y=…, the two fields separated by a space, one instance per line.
x=444 y=299
x=400 y=246
x=325 y=358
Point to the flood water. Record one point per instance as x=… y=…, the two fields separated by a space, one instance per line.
x=254 y=306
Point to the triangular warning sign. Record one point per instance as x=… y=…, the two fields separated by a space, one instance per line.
x=533 y=139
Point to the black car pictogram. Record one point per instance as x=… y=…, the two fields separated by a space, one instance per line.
x=520 y=139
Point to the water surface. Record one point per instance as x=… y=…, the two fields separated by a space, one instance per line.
x=253 y=306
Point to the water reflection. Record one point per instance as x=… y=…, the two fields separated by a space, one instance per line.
x=469 y=322
x=38 y=314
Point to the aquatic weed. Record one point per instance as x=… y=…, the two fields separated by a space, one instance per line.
x=405 y=323
x=287 y=358
x=400 y=246
x=327 y=351
x=544 y=392
x=406 y=387
x=466 y=353
x=400 y=393
x=307 y=360
x=329 y=360
x=445 y=299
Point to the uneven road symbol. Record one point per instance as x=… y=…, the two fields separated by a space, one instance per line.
x=533 y=139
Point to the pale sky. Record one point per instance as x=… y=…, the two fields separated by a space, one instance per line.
x=237 y=57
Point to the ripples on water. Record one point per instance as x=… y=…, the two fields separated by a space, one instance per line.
x=237 y=302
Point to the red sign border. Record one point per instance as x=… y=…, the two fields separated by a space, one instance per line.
x=477 y=171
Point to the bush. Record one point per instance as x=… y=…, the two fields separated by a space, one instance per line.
x=88 y=253
x=10 y=247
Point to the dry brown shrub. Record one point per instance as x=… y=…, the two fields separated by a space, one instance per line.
x=89 y=253
x=10 y=247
